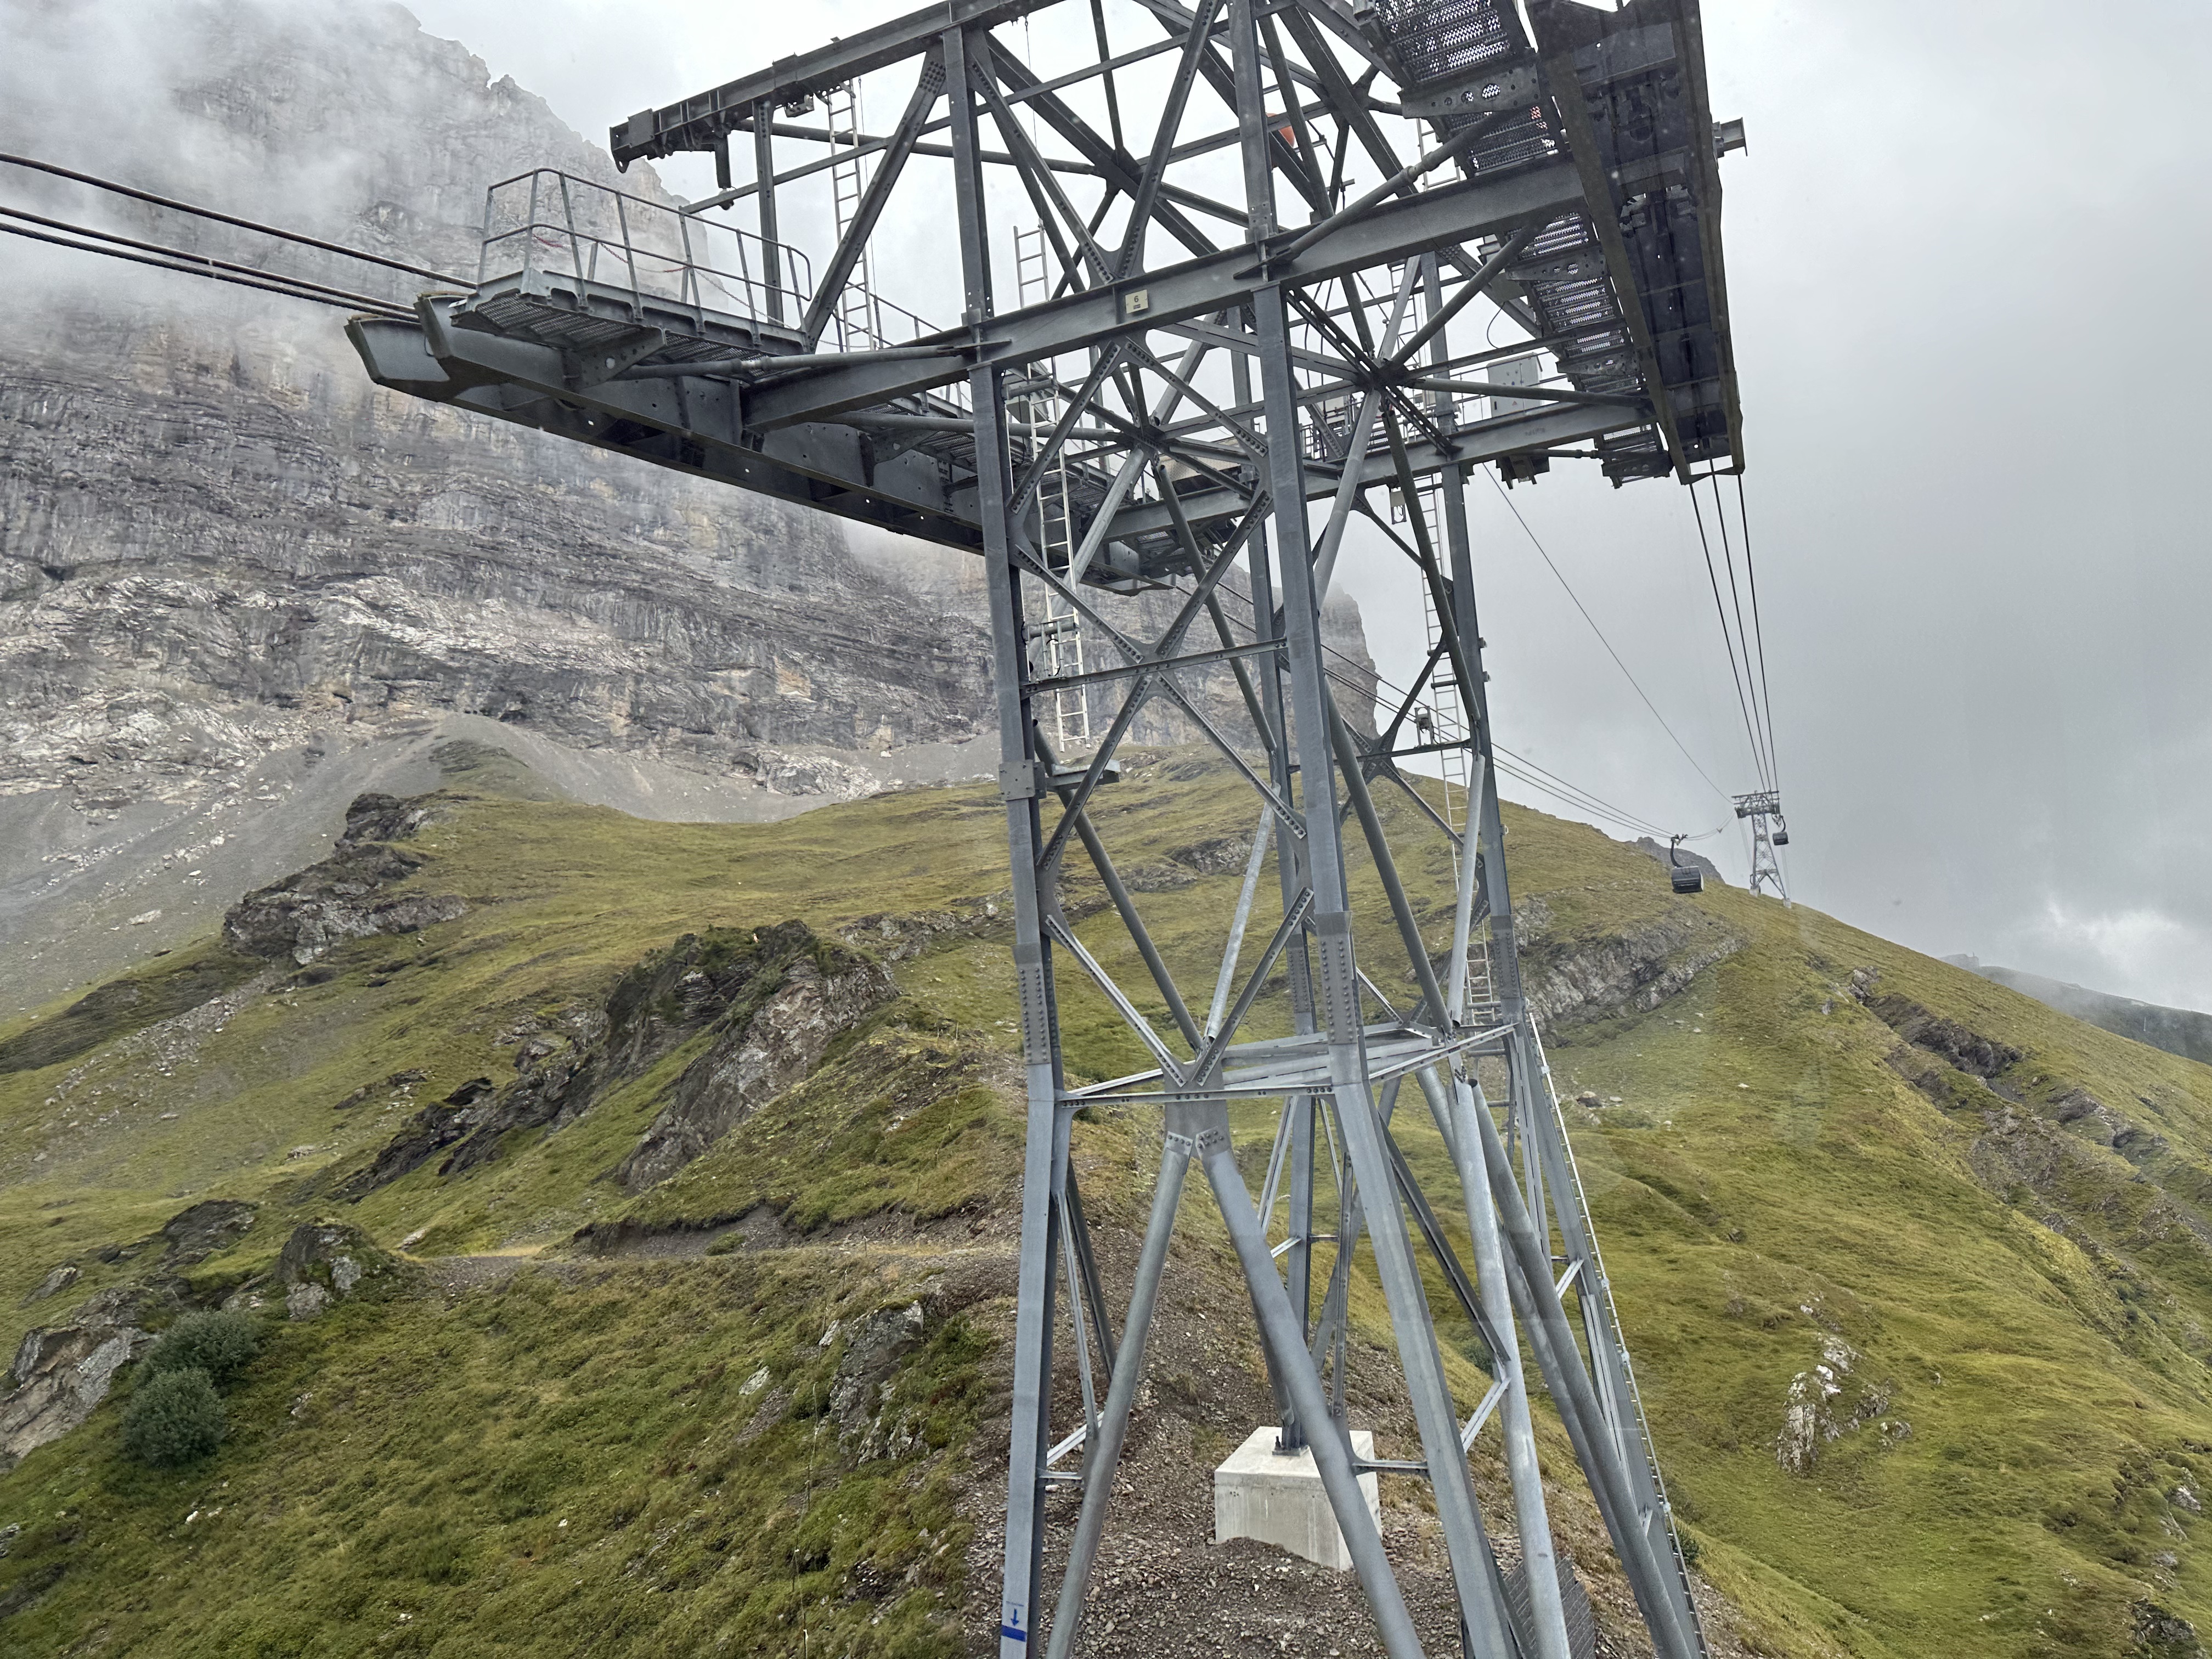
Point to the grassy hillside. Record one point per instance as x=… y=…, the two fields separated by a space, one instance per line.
x=755 y=1408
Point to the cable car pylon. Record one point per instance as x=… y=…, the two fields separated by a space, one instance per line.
x=1769 y=830
x=1240 y=377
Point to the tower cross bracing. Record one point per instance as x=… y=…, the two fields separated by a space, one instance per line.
x=1216 y=269
x=1762 y=809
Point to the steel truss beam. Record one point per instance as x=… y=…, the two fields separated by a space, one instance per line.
x=846 y=433
x=783 y=438
x=1333 y=340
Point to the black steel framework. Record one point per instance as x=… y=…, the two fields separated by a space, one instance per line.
x=1195 y=369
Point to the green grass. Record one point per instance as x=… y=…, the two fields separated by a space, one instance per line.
x=901 y=1117
x=2036 y=1305
x=560 y=1466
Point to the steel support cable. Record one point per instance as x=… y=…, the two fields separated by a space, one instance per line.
x=1552 y=783
x=1720 y=610
x=1524 y=771
x=1546 y=773
x=1569 y=794
x=184 y=256
x=1743 y=637
x=1512 y=769
x=232 y=219
x=1360 y=680
x=1759 y=633
x=1604 y=641
x=1354 y=679
x=1507 y=769
x=380 y=307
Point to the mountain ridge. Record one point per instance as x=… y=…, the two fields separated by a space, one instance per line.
x=2182 y=1032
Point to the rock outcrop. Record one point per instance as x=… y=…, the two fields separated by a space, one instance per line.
x=190 y=1236
x=1573 y=981
x=62 y=1372
x=1969 y=1051
x=770 y=1001
x=861 y=1395
x=324 y=1262
x=1830 y=1399
x=770 y=1041
x=343 y=896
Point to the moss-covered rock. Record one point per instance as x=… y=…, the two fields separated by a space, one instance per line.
x=327 y=1262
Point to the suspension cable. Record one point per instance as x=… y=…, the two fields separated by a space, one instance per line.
x=1365 y=680
x=279 y=286
x=1759 y=633
x=302 y=288
x=232 y=219
x=1765 y=744
x=1604 y=641
x=1543 y=778
x=1728 y=639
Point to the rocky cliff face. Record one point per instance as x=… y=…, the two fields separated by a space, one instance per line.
x=238 y=585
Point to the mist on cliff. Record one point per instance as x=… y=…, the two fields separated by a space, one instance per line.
x=310 y=115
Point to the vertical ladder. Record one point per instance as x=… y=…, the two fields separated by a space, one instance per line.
x=1055 y=627
x=857 y=329
x=1446 y=724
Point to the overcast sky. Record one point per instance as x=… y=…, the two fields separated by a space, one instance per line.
x=1964 y=248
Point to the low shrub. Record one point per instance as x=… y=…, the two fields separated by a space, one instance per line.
x=173 y=1418
x=220 y=1344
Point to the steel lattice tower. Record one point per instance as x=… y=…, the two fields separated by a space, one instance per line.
x=1768 y=831
x=1210 y=368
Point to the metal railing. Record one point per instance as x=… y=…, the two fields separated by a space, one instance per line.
x=866 y=321
x=545 y=225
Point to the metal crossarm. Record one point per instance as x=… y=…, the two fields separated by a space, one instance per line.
x=1218 y=331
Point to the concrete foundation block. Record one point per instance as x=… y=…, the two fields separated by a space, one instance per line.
x=1260 y=1493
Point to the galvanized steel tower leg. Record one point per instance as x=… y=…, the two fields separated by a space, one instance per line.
x=1454 y=1105
x=1473 y=1569
x=1332 y=1451
x=1291 y=879
x=1045 y=1159
x=1100 y=1459
x=1660 y=1594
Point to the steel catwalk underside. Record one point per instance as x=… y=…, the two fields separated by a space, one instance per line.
x=1605 y=201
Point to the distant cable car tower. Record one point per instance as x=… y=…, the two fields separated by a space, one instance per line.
x=1768 y=831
